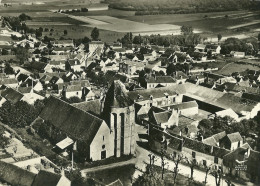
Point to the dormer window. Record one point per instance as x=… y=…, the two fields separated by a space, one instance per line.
x=166 y=95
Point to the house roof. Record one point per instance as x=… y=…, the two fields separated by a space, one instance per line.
x=7 y=81
x=24 y=90
x=254 y=97
x=219 y=136
x=220 y=99
x=38 y=65
x=89 y=106
x=162 y=117
x=158 y=92
x=76 y=123
x=200 y=46
x=212 y=47
x=73 y=88
x=58 y=74
x=234 y=137
x=210 y=141
x=12 y=95
x=46 y=178
x=65 y=143
x=15 y=175
x=83 y=83
x=60 y=62
x=160 y=79
x=204 y=148
x=62 y=42
x=184 y=105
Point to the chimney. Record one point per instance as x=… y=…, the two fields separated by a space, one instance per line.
x=211 y=150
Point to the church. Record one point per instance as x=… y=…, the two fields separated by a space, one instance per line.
x=96 y=129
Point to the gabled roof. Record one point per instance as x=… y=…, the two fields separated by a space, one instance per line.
x=234 y=137
x=15 y=175
x=76 y=123
x=158 y=92
x=73 y=88
x=184 y=105
x=200 y=46
x=7 y=81
x=24 y=90
x=46 y=178
x=160 y=79
x=220 y=99
x=89 y=106
x=162 y=117
x=12 y=95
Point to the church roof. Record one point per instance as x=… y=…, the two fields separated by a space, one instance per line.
x=76 y=123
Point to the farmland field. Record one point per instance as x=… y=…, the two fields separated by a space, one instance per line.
x=113 y=23
x=237 y=67
x=122 y=25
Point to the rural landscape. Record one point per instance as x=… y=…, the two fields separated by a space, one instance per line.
x=130 y=92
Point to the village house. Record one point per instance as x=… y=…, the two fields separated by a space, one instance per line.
x=215 y=49
x=185 y=108
x=243 y=162
x=159 y=81
x=163 y=118
x=231 y=141
x=63 y=43
x=9 y=174
x=130 y=67
x=159 y=97
x=13 y=83
x=236 y=54
x=200 y=48
x=203 y=154
x=94 y=46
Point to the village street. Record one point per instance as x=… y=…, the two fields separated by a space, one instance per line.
x=143 y=159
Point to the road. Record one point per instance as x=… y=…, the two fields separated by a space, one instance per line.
x=143 y=159
x=109 y=166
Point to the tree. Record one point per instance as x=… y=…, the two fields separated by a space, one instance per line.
x=150 y=177
x=192 y=164
x=95 y=34
x=207 y=169
x=186 y=30
x=163 y=161
x=8 y=69
x=219 y=37
x=4 y=52
x=24 y=17
x=176 y=159
x=138 y=39
x=218 y=176
x=65 y=32
x=170 y=69
x=259 y=37
x=22 y=54
x=38 y=33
